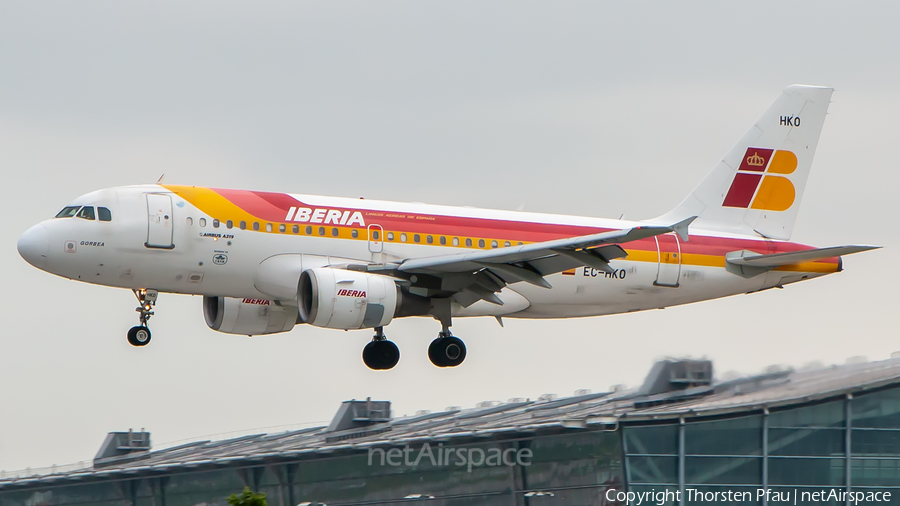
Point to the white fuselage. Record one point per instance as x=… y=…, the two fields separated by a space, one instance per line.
x=204 y=256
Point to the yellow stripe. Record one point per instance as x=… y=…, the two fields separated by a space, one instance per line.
x=211 y=203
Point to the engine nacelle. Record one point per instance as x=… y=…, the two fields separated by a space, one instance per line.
x=250 y=317
x=343 y=299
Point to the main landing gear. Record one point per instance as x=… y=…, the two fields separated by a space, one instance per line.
x=447 y=350
x=140 y=335
x=380 y=354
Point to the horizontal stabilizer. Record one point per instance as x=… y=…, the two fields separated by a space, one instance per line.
x=751 y=259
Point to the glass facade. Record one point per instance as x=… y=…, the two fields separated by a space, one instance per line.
x=796 y=455
x=799 y=450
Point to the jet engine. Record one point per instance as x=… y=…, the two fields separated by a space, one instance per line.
x=251 y=317
x=344 y=299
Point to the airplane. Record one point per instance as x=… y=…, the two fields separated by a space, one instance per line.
x=267 y=261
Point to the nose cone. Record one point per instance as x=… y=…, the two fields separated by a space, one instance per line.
x=34 y=245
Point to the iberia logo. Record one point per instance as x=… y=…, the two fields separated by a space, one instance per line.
x=774 y=193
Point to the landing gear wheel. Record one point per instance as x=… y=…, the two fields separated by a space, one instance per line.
x=447 y=351
x=381 y=355
x=139 y=336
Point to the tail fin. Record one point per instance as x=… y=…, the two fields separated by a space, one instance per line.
x=757 y=187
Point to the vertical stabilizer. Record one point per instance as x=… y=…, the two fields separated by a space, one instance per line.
x=757 y=187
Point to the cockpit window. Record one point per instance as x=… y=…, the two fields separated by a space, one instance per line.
x=87 y=213
x=68 y=212
x=104 y=214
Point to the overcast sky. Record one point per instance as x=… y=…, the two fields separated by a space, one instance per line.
x=589 y=108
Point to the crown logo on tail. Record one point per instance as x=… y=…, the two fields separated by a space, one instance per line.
x=755 y=160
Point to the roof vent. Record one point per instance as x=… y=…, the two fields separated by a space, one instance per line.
x=122 y=447
x=674 y=375
x=582 y=391
x=355 y=414
x=357 y=419
x=548 y=398
x=896 y=354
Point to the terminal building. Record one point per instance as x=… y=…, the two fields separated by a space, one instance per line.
x=822 y=430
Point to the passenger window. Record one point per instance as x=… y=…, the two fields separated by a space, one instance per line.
x=321 y=230
x=416 y=238
x=429 y=239
x=104 y=214
x=507 y=244
x=443 y=241
x=282 y=228
x=189 y=221
x=390 y=236
x=68 y=212
x=268 y=227
x=256 y=225
x=202 y=222
x=480 y=243
x=493 y=244
x=334 y=232
x=375 y=235
x=229 y=224
x=296 y=229
x=468 y=243
x=456 y=241
x=243 y=225
x=215 y=223
x=402 y=237
x=519 y=243
x=354 y=233
x=87 y=213
x=308 y=230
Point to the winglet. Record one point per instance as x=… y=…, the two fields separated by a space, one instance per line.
x=681 y=228
x=161 y=179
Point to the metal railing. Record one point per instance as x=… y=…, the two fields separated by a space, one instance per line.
x=31 y=472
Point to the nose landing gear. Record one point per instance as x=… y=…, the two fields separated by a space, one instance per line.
x=380 y=354
x=140 y=335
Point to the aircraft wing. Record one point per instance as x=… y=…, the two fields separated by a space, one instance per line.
x=471 y=276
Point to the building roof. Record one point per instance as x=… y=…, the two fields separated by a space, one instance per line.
x=514 y=419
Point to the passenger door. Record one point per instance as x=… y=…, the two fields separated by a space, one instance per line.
x=668 y=249
x=376 y=238
x=159 y=221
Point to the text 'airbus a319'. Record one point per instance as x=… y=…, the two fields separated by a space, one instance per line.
x=265 y=262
